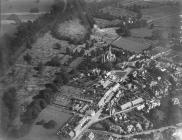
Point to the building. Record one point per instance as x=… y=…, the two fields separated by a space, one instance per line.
x=82 y=123
x=132 y=103
x=108 y=95
x=108 y=56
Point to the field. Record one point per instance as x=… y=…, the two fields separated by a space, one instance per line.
x=21 y=8
x=141 y=32
x=37 y=132
x=102 y=23
x=7 y=29
x=14 y=6
x=117 y=12
x=164 y=16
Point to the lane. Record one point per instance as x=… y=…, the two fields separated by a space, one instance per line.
x=95 y=118
x=135 y=134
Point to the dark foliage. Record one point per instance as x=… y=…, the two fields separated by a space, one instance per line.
x=40 y=122
x=123 y=31
x=50 y=124
x=54 y=62
x=57 y=46
x=39 y=68
x=27 y=58
x=9 y=99
x=61 y=78
x=28 y=45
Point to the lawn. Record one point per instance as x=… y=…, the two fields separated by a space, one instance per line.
x=37 y=132
x=131 y=44
x=117 y=12
x=141 y=32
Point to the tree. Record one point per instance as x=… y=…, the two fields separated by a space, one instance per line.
x=68 y=52
x=30 y=115
x=28 y=45
x=151 y=26
x=40 y=104
x=123 y=30
x=51 y=86
x=57 y=46
x=27 y=58
x=57 y=7
x=54 y=62
x=39 y=68
x=50 y=124
x=82 y=52
x=9 y=99
x=34 y=10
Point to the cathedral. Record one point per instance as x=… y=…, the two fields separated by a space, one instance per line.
x=108 y=56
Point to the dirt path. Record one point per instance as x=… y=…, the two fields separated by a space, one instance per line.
x=135 y=134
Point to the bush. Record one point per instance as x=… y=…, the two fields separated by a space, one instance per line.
x=27 y=58
x=54 y=62
x=57 y=46
x=61 y=78
x=40 y=122
x=40 y=104
x=45 y=94
x=30 y=115
x=51 y=86
x=50 y=124
x=28 y=45
x=9 y=99
x=39 y=68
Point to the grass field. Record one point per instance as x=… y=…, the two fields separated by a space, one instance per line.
x=37 y=132
x=11 y=6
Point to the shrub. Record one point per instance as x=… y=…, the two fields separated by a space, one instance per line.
x=9 y=99
x=27 y=58
x=50 y=124
x=57 y=46
x=54 y=62
x=40 y=122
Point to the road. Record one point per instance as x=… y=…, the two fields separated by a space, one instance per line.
x=134 y=134
x=92 y=121
x=95 y=118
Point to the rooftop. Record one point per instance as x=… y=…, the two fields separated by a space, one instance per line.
x=131 y=45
